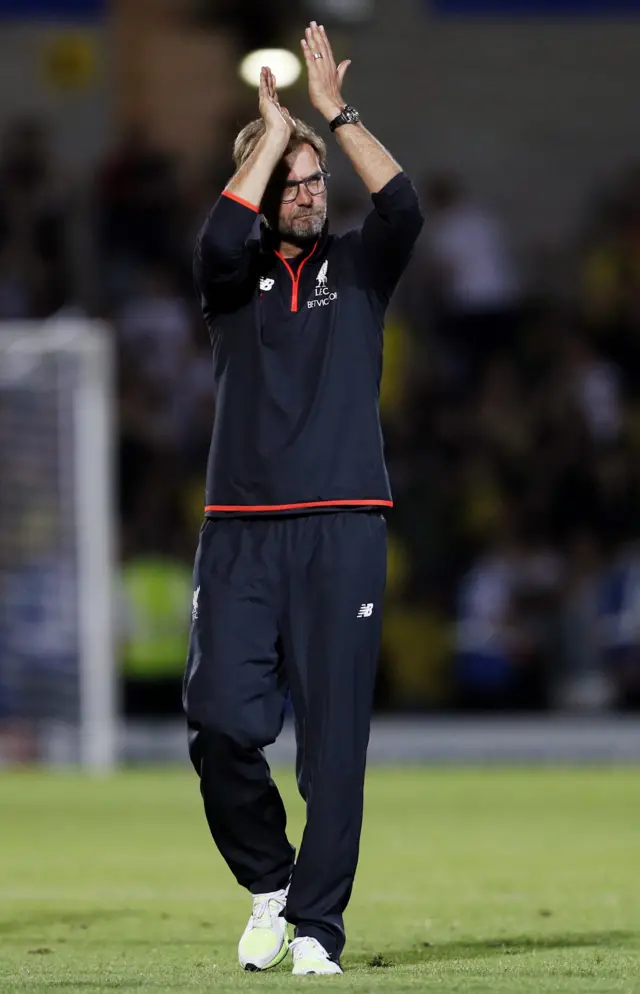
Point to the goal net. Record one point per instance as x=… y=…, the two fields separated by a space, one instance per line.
x=57 y=669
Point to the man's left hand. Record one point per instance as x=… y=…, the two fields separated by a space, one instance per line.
x=325 y=79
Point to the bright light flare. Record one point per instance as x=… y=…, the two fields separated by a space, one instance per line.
x=284 y=65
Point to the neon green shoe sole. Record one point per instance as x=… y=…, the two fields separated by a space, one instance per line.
x=278 y=958
x=265 y=941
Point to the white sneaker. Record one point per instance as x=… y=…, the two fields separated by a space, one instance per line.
x=265 y=942
x=309 y=956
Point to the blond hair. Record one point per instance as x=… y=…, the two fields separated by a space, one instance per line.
x=302 y=134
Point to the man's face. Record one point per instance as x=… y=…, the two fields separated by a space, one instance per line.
x=301 y=219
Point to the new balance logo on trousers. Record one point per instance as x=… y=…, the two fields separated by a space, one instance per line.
x=366 y=610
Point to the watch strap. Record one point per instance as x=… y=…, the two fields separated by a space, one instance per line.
x=346 y=117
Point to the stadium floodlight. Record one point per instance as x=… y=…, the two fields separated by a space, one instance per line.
x=285 y=65
x=57 y=654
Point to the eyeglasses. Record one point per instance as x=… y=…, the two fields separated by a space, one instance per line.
x=315 y=185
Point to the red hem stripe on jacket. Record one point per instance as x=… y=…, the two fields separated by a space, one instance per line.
x=239 y=200
x=296 y=507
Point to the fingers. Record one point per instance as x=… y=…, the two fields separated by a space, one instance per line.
x=342 y=71
x=315 y=41
x=309 y=41
x=263 y=86
x=307 y=52
x=267 y=85
x=313 y=33
x=322 y=42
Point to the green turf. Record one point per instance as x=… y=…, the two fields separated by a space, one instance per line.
x=492 y=881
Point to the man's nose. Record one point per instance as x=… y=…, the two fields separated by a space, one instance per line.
x=304 y=197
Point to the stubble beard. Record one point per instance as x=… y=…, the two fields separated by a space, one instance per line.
x=303 y=229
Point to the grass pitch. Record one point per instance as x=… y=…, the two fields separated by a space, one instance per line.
x=477 y=881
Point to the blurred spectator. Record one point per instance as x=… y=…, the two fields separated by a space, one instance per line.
x=155 y=600
x=472 y=274
x=620 y=622
x=506 y=609
x=503 y=421
x=39 y=635
x=155 y=330
x=615 y=498
x=594 y=385
x=611 y=277
x=140 y=214
x=581 y=682
x=34 y=279
x=162 y=386
x=487 y=663
x=17 y=290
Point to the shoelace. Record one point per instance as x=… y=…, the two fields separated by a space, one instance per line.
x=307 y=944
x=262 y=912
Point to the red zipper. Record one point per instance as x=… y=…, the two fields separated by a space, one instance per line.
x=295 y=278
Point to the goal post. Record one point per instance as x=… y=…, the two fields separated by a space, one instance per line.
x=57 y=645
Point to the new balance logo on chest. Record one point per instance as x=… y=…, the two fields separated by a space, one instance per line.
x=366 y=610
x=323 y=295
x=266 y=283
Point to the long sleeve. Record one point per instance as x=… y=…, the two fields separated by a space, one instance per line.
x=221 y=254
x=389 y=233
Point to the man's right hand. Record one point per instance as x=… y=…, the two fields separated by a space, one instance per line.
x=276 y=118
x=251 y=180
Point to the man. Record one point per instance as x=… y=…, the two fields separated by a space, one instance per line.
x=290 y=569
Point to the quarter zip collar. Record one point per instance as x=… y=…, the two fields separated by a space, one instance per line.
x=295 y=276
x=268 y=242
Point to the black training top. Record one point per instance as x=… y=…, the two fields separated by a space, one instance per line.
x=297 y=357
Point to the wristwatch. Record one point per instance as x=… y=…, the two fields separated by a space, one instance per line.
x=349 y=116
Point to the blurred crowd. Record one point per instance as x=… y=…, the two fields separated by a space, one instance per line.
x=510 y=404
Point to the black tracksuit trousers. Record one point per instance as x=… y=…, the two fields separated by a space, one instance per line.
x=287 y=603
